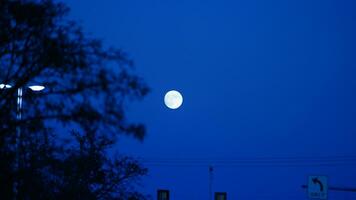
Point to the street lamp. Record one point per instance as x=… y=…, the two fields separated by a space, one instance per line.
x=35 y=88
x=5 y=86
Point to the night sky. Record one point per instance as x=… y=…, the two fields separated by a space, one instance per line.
x=260 y=80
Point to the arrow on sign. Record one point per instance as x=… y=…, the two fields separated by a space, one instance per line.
x=317 y=181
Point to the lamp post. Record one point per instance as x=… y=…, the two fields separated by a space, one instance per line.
x=35 y=88
x=211 y=173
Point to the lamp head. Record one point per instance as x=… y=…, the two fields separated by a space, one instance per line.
x=5 y=86
x=36 y=88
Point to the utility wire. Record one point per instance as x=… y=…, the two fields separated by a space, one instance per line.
x=255 y=161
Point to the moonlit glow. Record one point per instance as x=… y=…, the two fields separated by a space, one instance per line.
x=36 y=87
x=5 y=86
x=173 y=99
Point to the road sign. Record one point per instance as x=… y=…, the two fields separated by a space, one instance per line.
x=220 y=195
x=318 y=187
x=163 y=194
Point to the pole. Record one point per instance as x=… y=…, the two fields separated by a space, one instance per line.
x=17 y=141
x=211 y=171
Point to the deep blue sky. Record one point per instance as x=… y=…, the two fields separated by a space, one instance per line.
x=259 y=79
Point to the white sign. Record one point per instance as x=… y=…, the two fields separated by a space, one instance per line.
x=318 y=187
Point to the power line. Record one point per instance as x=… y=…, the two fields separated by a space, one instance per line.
x=255 y=161
x=249 y=165
x=262 y=158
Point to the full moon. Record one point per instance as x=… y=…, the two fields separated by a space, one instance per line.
x=173 y=99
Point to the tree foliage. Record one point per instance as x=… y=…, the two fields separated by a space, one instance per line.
x=87 y=86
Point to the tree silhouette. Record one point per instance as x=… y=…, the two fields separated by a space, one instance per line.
x=66 y=130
